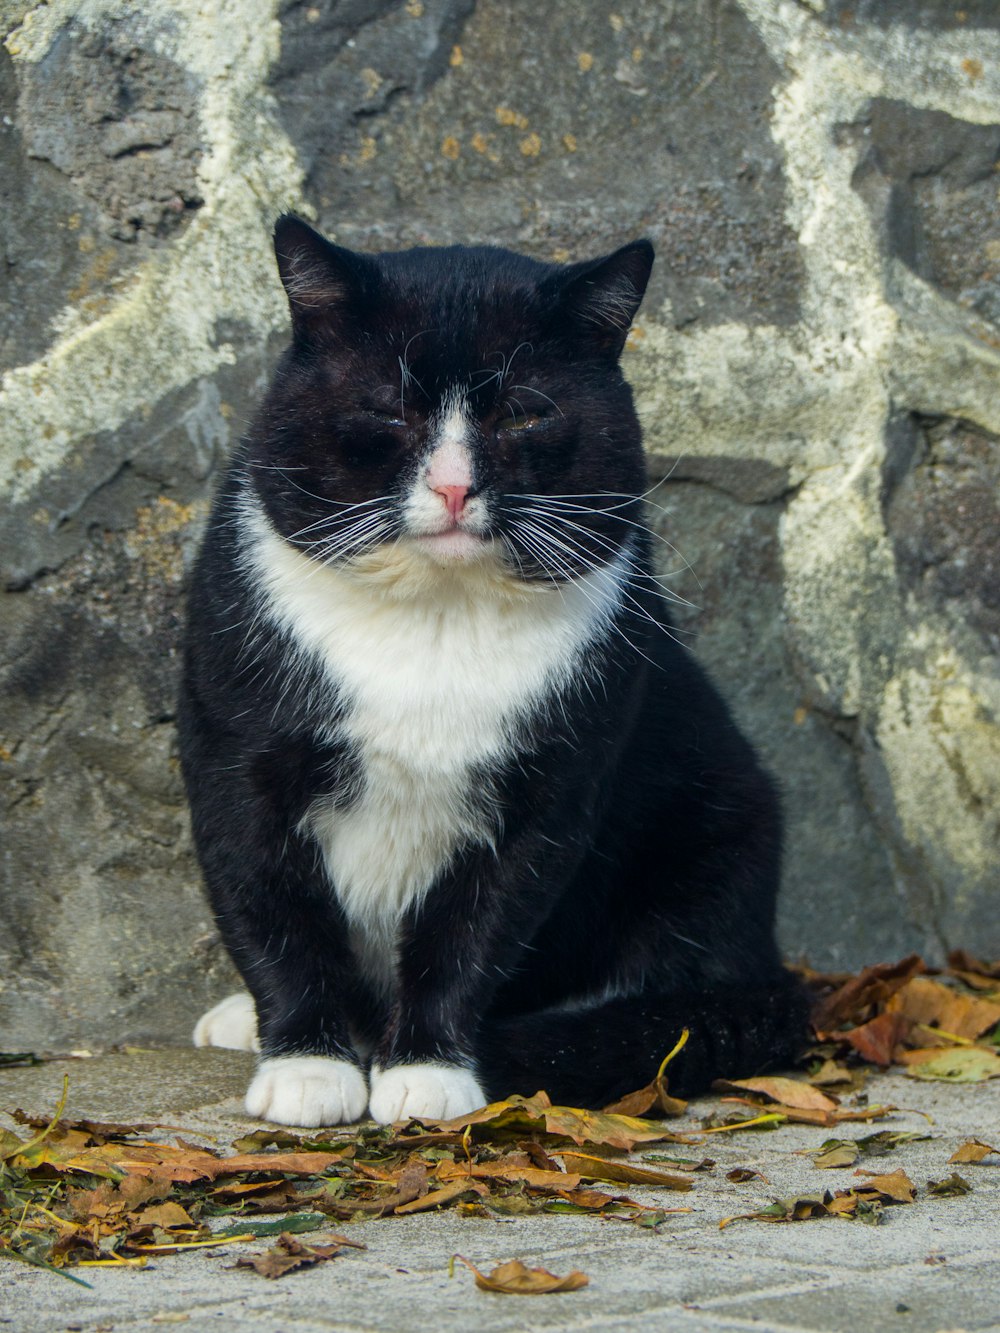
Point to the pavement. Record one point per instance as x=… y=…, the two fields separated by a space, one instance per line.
x=931 y=1266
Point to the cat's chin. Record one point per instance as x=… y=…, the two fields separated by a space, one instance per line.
x=453 y=547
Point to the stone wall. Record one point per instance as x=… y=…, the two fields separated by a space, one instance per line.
x=817 y=365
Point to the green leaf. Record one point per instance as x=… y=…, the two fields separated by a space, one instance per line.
x=965 y=1064
x=296 y=1223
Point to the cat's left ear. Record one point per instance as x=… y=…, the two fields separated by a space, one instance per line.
x=323 y=281
x=601 y=297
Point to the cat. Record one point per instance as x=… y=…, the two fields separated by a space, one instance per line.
x=471 y=820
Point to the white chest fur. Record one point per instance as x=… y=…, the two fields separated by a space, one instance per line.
x=436 y=674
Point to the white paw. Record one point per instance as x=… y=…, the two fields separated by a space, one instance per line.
x=231 y=1023
x=307 y=1090
x=425 y=1092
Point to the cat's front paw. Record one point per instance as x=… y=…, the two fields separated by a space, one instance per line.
x=232 y=1023
x=307 y=1090
x=424 y=1092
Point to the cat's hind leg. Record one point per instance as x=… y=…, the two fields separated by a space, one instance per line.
x=231 y=1024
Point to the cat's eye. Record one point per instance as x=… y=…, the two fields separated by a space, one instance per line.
x=520 y=421
x=385 y=418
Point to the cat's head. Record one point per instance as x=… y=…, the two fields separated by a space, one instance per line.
x=464 y=405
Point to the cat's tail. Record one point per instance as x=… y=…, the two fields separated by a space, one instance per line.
x=592 y=1055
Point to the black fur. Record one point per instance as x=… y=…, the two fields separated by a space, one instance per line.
x=632 y=889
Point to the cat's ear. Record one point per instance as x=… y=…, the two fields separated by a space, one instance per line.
x=600 y=297
x=322 y=281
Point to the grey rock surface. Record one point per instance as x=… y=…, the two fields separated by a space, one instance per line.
x=931 y=1266
x=816 y=365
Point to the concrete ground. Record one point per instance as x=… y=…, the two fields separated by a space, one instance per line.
x=931 y=1266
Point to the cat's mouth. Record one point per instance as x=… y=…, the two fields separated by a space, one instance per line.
x=453 y=544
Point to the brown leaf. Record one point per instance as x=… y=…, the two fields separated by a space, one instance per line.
x=789 y=1092
x=290 y=1254
x=741 y=1174
x=973 y=1151
x=959 y=961
x=831 y=1074
x=167 y=1214
x=797 y=1208
x=896 y=1187
x=878 y=1040
x=537 y=1114
x=864 y=995
x=506 y=1170
x=933 y=1004
x=455 y=1189
x=600 y=1168
x=411 y=1184
x=513 y=1279
x=954 y=1186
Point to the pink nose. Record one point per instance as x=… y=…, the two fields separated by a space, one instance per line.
x=453 y=497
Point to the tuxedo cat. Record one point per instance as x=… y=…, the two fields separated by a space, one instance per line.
x=472 y=822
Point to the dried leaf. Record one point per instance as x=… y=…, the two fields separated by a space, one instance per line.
x=514 y=1279
x=741 y=1174
x=789 y=1092
x=510 y=1171
x=654 y=1096
x=600 y=1168
x=845 y=1152
x=965 y=1064
x=878 y=1040
x=290 y=1254
x=959 y=961
x=831 y=1074
x=864 y=995
x=954 y=1186
x=455 y=1189
x=897 y=1187
x=595 y=1128
x=973 y=1151
x=165 y=1215
x=933 y=1004
x=797 y=1208
x=834 y=1153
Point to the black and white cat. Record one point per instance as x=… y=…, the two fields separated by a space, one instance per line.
x=471 y=821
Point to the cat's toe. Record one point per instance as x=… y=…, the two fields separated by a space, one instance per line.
x=232 y=1023
x=423 y=1091
x=307 y=1090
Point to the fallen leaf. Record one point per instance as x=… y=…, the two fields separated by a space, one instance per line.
x=845 y=1152
x=601 y=1168
x=964 y=1064
x=539 y=1115
x=832 y=1074
x=446 y=1194
x=654 y=1096
x=741 y=1174
x=514 y=1279
x=959 y=961
x=863 y=996
x=797 y=1208
x=834 y=1153
x=954 y=1186
x=973 y=1151
x=290 y=1254
x=933 y=1004
x=878 y=1040
x=165 y=1215
x=789 y=1092
x=896 y=1187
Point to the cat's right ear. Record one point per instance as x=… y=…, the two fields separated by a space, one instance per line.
x=322 y=281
